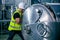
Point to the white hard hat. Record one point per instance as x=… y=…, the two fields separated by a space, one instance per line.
x=21 y=5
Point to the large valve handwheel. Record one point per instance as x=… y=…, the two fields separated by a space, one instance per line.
x=36 y=20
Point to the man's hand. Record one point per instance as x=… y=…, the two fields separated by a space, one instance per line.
x=18 y=20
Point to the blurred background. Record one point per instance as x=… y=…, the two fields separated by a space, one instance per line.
x=7 y=7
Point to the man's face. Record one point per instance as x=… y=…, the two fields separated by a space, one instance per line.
x=22 y=10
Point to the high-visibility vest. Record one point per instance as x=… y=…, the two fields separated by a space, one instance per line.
x=13 y=25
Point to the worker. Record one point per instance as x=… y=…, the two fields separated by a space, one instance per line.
x=16 y=22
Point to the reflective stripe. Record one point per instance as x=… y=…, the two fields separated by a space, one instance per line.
x=14 y=22
x=14 y=26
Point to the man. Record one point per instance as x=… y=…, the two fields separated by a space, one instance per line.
x=16 y=22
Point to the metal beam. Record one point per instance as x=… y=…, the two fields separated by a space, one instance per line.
x=52 y=3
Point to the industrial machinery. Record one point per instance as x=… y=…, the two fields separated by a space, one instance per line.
x=39 y=23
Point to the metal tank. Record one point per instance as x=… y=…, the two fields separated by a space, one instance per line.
x=36 y=23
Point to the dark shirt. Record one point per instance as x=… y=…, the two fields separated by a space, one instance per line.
x=16 y=15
